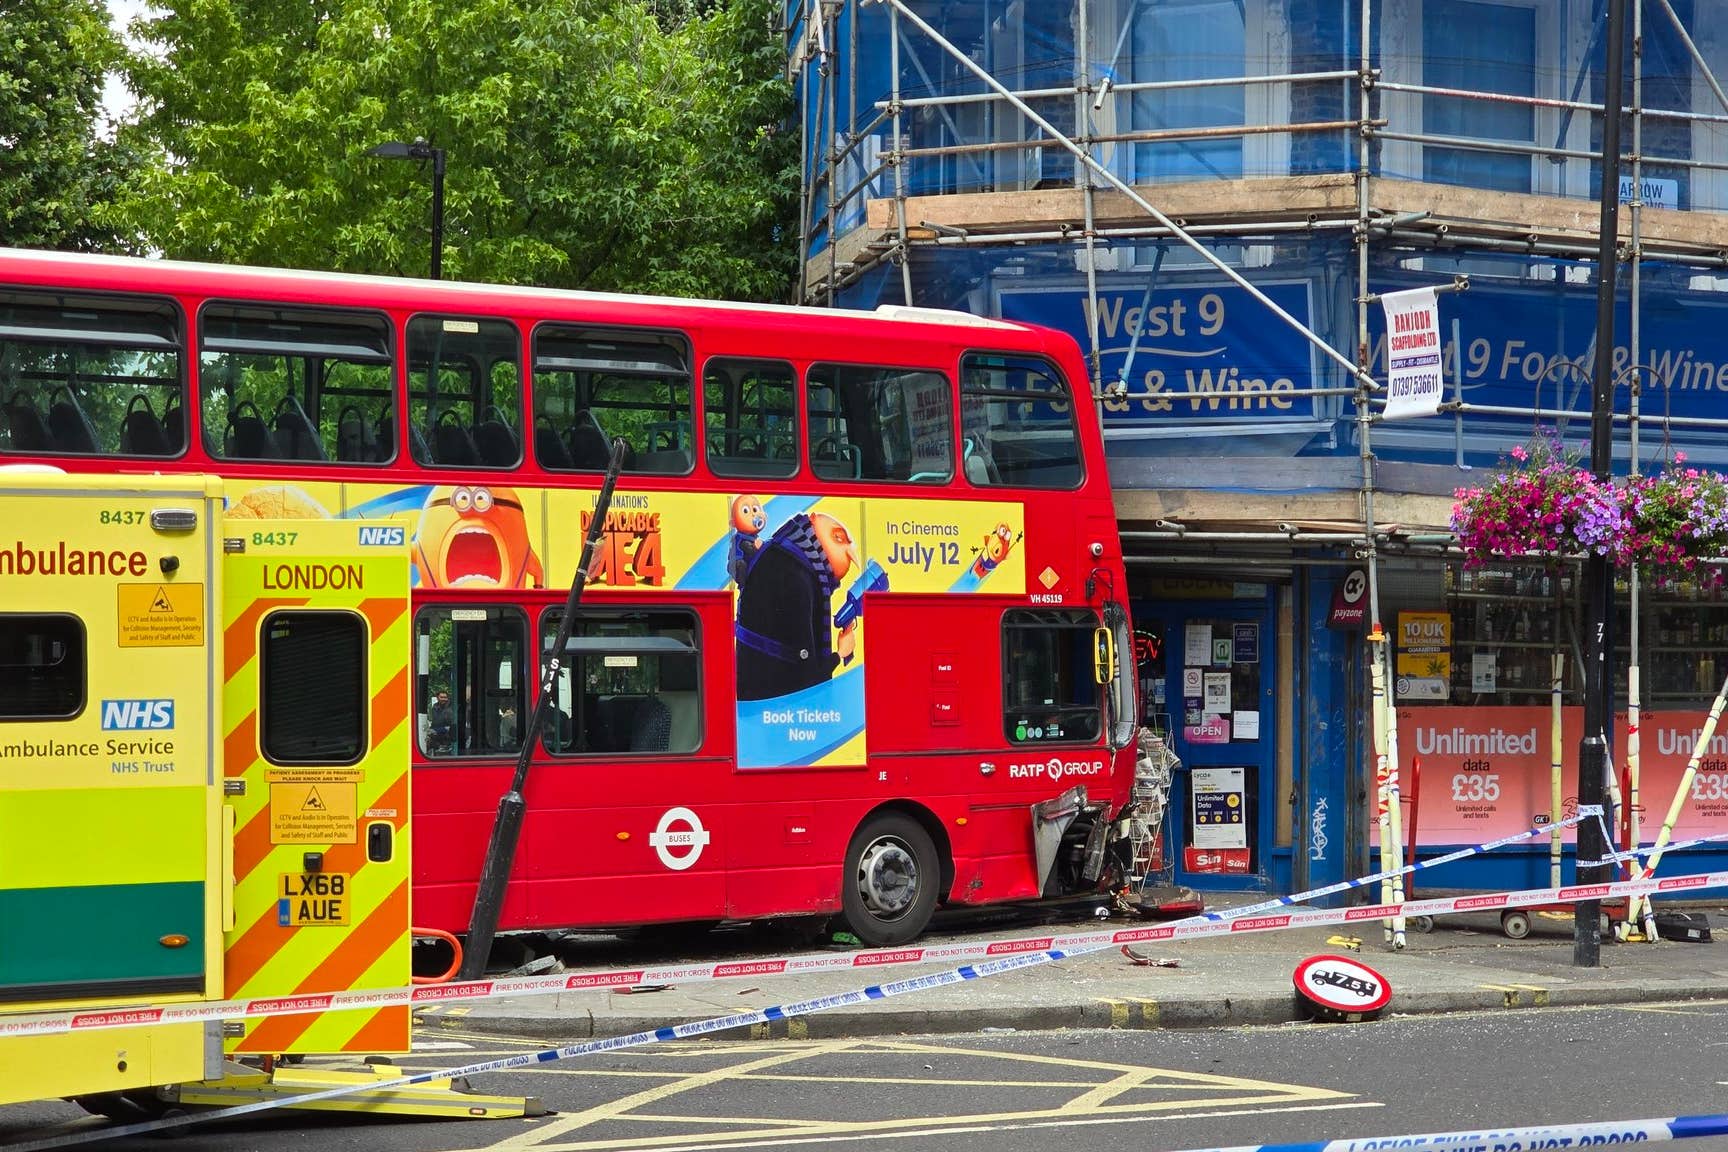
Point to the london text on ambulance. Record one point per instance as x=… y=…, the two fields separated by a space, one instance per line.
x=58 y=560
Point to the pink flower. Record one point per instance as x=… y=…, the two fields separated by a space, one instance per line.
x=1519 y=453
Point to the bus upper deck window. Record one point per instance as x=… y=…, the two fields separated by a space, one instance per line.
x=1017 y=423
x=464 y=392
x=91 y=376
x=880 y=423
x=296 y=384
x=592 y=385
x=750 y=417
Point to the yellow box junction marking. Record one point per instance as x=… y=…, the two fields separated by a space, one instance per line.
x=314 y=813
x=313 y=899
x=1084 y=1091
x=161 y=615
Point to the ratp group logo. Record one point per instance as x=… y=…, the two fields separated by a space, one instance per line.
x=137 y=715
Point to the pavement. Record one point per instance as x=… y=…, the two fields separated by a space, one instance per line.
x=1465 y=964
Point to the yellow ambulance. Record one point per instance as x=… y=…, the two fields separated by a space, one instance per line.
x=204 y=734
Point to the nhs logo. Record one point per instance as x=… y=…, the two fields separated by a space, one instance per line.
x=383 y=535
x=137 y=714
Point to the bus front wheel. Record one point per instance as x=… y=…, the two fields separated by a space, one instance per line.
x=891 y=879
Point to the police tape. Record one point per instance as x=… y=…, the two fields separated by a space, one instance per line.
x=1254 y=920
x=548 y=1055
x=1596 y=1134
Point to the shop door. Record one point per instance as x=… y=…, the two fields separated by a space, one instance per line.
x=1207 y=681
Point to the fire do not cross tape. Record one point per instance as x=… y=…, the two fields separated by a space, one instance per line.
x=1071 y=944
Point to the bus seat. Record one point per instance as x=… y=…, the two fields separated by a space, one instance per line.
x=355 y=442
x=678 y=691
x=589 y=448
x=384 y=437
x=650 y=726
x=668 y=462
x=141 y=434
x=296 y=439
x=70 y=430
x=29 y=430
x=549 y=446
x=451 y=443
x=248 y=436
x=496 y=444
x=979 y=468
x=174 y=427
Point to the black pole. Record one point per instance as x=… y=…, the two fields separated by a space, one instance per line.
x=512 y=807
x=437 y=212
x=1598 y=573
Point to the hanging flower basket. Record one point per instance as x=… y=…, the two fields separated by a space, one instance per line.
x=1543 y=503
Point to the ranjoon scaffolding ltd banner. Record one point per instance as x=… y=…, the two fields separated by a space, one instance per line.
x=1515 y=347
x=1200 y=352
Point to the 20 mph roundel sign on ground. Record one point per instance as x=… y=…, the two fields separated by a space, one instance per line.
x=1338 y=988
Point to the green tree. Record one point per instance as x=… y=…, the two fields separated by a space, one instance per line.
x=57 y=175
x=624 y=145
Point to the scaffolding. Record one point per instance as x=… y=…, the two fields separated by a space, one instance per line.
x=1077 y=135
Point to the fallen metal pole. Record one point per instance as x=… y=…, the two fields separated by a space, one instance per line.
x=512 y=807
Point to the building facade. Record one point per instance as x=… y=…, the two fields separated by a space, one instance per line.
x=1089 y=164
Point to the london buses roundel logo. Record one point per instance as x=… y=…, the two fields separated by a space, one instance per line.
x=679 y=838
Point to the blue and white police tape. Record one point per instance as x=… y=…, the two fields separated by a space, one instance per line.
x=586 y=1048
x=1637 y=855
x=1600 y=1134
x=1585 y=812
x=1245 y=920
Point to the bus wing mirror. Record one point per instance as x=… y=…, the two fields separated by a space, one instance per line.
x=1103 y=655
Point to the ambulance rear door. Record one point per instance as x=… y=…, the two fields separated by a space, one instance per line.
x=316 y=739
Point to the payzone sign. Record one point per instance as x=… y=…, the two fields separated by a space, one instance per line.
x=1201 y=353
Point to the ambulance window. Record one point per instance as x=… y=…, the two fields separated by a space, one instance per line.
x=312 y=705
x=629 y=683
x=1049 y=691
x=91 y=376
x=41 y=666
x=472 y=680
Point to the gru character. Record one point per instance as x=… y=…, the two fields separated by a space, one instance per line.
x=748 y=520
x=785 y=627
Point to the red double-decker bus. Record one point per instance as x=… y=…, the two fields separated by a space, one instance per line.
x=850 y=646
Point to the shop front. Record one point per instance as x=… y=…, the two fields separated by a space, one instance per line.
x=1489 y=697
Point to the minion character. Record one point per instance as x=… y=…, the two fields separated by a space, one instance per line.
x=785 y=628
x=748 y=520
x=998 y=542
x=475 y=537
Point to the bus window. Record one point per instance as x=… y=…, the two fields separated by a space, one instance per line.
x=594 y=384
x=41 y=666
x=91 y=376
x=750 y=417
x=1017 y=424
x=472 y=672
x=880 y=424
x=296 y=384
x=312 y=697
x=464 y=413
x=1050 y=693
x=636 y=684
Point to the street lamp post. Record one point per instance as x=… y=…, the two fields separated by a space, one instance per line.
x=420 y=150
x=1598 y=587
